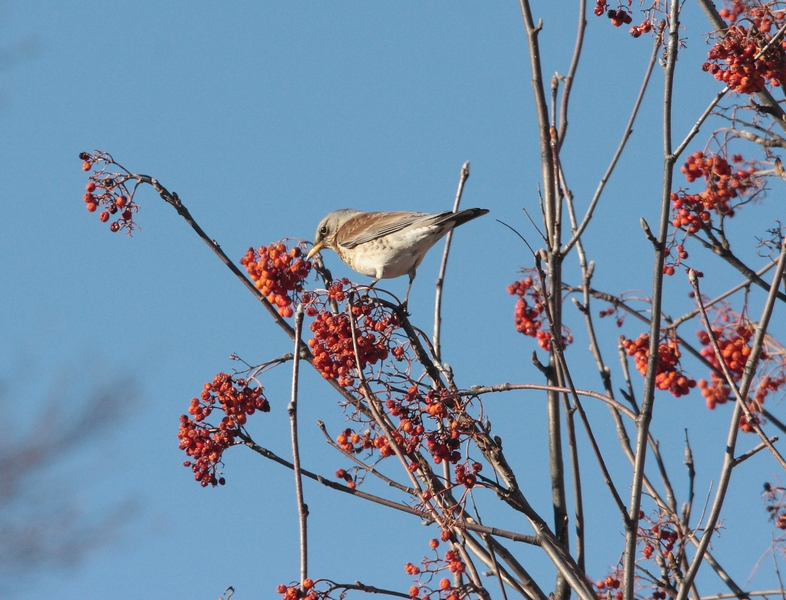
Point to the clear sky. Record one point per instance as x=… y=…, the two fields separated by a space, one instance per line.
x=264 y=116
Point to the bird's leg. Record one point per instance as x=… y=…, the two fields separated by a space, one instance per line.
x=409 y=287
x=370 y=285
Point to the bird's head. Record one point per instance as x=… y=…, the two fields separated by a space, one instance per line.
x=325 y=236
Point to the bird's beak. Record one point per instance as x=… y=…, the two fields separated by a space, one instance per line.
x=317 y=247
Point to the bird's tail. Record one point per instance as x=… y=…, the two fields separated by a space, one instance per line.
x=463 y=216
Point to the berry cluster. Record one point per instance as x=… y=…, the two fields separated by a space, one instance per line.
x=613 y=311
x=622 y=16
x=343 y=474
x=354 y=443
x=723 y=184
x=734 y=343
x=775 y=499
x=660 y=537
x=205 y=443
x=332 y=347
x=468 y=480
x=644 y=27
x=671 y=261
x=293 y=592
x=734 y=334
x=668 y=375
x=447 y=411
x=529 y=315
x=611 y=584
x=619 y=17
x=737 y=58
x=664 y=543
x=278 y=273
x=108 y=192
x=736 y=9
x=445 y=590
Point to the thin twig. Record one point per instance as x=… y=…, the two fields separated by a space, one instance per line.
x=688 y=506
x=743 y=284
x=565 y=373
x=722 y=249
x=364 y=466
x=463 y=176
x=755 y=450
x=362 y=587
x=568 y=79
x=648 y=395
x=578 y=231
x=777 y=570
x=506 y=387
x=418 y=512
x=541 y=107
x=697 y=125
x=756 y=593
x=247 y=441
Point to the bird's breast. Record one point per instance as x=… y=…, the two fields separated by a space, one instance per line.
x=393 y=255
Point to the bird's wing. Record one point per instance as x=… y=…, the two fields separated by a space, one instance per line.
x=372 y=226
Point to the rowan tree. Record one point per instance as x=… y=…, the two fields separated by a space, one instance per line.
x=416 y=426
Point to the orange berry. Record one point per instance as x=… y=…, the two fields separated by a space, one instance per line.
x=121 y=201
x=91 y=206
x=104 y=217
x=85 y=166
x=91 y=187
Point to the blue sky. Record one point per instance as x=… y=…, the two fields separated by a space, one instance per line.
x=263 y=117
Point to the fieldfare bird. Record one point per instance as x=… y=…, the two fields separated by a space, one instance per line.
x=384 y=245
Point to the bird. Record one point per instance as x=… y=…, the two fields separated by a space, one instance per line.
x=385 y=245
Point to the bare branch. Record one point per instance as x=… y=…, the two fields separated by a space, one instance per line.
x=463 y=176
x=302 y=509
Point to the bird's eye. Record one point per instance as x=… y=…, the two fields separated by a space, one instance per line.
x=323 y=230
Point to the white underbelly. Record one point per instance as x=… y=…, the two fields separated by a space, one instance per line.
x=394 y=256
